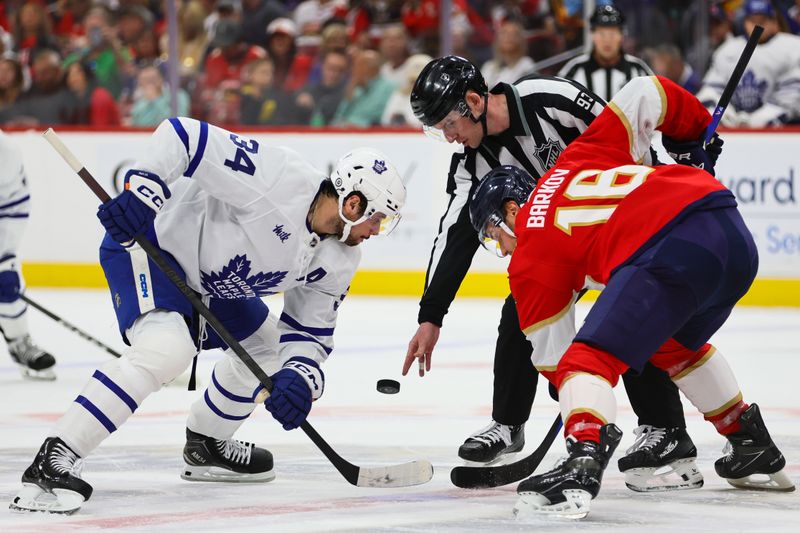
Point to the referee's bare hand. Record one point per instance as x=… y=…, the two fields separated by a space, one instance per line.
x=421 y=347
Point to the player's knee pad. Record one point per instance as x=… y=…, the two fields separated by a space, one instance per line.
x=10 y=285
x=160 y=345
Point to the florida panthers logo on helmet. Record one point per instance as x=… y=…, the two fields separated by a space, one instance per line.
x=379 y=166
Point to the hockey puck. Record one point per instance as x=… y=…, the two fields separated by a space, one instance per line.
x=388 y=386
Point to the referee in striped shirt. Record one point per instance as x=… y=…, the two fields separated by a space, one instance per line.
x=527 y=124
x=607 y=68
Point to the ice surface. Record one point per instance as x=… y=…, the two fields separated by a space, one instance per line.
x=135 y=473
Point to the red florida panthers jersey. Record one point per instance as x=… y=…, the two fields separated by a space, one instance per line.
x=597 y=206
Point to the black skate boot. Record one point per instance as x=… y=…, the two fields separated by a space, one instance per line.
x=34 y=363
x=661 y=459
x=753 y=461
x=567 y=490
x=493 y=441
x=210 y=459
x=52 y=484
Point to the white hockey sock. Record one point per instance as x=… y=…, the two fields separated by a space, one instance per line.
x=14 y=319
x=227 y=401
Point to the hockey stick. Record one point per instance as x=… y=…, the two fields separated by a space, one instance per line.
x=727 y=93
x=481 y=477
x=69 y=326
x=402 y=475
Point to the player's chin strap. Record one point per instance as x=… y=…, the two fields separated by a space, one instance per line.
x=348 y=224
x=482 y=117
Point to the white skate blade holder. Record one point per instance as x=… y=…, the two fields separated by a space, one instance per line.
x=681 y=474
x=34 y=499
x=46 y=374
x=533 y=504
x=216 y=474
x=778 y=481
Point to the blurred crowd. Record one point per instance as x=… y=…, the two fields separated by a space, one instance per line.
x=335 y=63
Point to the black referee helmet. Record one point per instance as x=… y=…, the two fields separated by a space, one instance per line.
x=441 y=85
x=607 y=15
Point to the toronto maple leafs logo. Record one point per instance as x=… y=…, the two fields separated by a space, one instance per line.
x=234 y=280
x=750 y=93
x=379 y=167
x=548 y=153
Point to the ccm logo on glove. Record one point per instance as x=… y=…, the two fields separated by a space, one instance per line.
x=294 y=387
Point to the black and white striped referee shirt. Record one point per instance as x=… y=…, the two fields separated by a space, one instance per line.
x=547 y=114
x=604 y=81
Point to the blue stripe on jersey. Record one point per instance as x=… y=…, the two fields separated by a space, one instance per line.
x=182 y=135
x=322 y=332
x=16 y=202
x=201 y=148
x=229 y=395
x=220 y=413
x=296 y=337
x=7 y=257
x=98 y=414
x=116 y=389
x=15 y=215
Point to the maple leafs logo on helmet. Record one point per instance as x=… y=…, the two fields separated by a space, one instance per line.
x=380 y=167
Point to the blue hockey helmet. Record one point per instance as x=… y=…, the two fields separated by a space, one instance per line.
x=501 y=184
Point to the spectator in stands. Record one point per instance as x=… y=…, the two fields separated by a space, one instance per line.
x=229 y=54
x=257 y=15
x=11 y=82
x=192 y=41
x=46 y=100
x=311 y=15
x=366 y=93
x=32 y=31
x=398 y=110
x=316 y=103
x=769 y=91
x=6 y=43
x=334 y=37
x=607 y=68
x=132 y=22
x=67 y=19
x=261 y=102
x=152 y=99
x=394 y=51
x=511 y=61
x=282 y=49
x=102 y=49
x=90 y=104
x=699 y=53
x=666 y=60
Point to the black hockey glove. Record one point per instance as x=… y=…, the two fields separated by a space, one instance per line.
x=693 y=153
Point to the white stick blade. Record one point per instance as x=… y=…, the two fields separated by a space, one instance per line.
x=405 y=475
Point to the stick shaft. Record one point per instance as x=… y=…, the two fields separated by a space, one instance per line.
x=727 y=93
x=69 y=326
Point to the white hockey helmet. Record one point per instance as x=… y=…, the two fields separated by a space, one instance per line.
x=368 y=172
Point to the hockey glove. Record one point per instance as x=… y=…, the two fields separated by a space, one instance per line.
x=693 y=153
x=134 y=210
x=295 y=386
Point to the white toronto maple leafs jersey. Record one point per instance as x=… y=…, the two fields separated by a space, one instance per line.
x=14 y=201
x=236 y=223
x=770 y=86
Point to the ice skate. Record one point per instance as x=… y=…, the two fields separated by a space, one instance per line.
x=52 y=484
x=210 y=459
x=752 y=460
x=34 y=363
x=661 y=459
x=567 y=490
x=492 y=442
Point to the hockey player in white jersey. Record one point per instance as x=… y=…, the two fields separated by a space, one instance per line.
x=34 y=362
x=238 y=220
x=769 y=91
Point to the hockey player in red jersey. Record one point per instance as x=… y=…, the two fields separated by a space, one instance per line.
x=671 y=255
